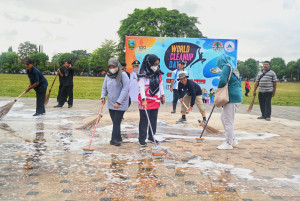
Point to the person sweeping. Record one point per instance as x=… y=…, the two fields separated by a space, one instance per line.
x=150 y=95
x=39 y=83
x=115 y=88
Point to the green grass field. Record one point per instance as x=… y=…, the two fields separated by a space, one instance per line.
x=12 y=85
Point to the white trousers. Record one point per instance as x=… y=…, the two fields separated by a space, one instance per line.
x=227 y=117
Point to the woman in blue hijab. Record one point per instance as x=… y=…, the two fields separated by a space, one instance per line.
x=235 y=98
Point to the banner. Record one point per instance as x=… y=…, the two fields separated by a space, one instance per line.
x=200 y=54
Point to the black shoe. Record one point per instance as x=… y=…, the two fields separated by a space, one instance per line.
x=143 y=144
x=37 y=114
x=152 y=141
x=69 y=106
x=173 y=112
x=57 y=105
x=115 y=143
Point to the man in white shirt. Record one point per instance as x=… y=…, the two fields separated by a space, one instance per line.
x=174 y=83
x=134 y=85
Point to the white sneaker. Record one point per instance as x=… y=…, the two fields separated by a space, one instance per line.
x=225 y=145
x=235 y=142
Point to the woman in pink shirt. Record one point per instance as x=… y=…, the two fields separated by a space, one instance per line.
x=151 y=93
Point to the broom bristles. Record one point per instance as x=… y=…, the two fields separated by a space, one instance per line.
x=5 y=109
x=47 y=98
x=209 y=128
x=251 y=105
x=88 y=125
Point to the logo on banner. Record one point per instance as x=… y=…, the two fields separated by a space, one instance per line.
x=229 y=46
x=183 y=51
x=131 y=44
x=217 y=46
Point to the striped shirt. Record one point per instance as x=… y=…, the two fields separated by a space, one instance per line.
x=266 y=82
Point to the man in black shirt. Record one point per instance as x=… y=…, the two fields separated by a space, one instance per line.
x=62 y=68
x=67 y=89
x=39 y=83
x=190 y=98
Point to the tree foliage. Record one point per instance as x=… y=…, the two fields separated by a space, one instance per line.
x=279 y=67
x=39 y=60
x=157 y=22
x=99 y=58
x=26 y=49
x=66 y=57
x=81 y=65
x=9 y=62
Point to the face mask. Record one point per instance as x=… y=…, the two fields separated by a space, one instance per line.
x=113 y=70
x=154 y=68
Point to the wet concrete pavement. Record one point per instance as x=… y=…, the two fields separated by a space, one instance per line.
x=42 y=157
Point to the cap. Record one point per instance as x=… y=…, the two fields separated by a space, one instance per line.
x=123 y=64
x=136 y=62
x=28 y=61
x=182 y=75
x=182 y=62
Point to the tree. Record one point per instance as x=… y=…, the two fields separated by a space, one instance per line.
x=291 y=69
x=66 y=57
x=55 y=63
x=279 y=67
x=10 y=49
x=297 y=67
x=39 y=60
x=99 y=58
x=252 y=67
x=81 y=65
x=80 y=54
x=157 y=22
x=244 y=70
x=26 y=49
x=9 y=62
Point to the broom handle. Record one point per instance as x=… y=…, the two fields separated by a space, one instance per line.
x=24 y=92
x=207 y=121
x=96 y=124
x=191 y=112
x=53 y=83
x=151 y=128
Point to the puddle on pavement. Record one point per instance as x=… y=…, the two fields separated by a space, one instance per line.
x=56 y=151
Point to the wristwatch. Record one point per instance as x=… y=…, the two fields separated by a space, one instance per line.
x=143 y=99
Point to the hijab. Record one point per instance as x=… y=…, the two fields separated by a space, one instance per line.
x=147 y=72
x=117 y=75
x=225 y=60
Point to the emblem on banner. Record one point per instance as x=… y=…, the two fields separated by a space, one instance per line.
x=229 y=46
x=217 y=46
x=131 y=44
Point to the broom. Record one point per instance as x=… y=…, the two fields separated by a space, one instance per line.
x=90 y=150
x=5 y=109
x=48 y=95
x=251 y=105
x=200 y=139
x=208 y=128
x=89 y=125
x=157 y=154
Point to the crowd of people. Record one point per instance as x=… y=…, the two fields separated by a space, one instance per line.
x=145 y=85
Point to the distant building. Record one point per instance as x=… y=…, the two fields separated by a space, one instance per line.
x=41 y=48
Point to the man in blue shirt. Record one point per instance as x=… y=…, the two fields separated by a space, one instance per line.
x=39 y=83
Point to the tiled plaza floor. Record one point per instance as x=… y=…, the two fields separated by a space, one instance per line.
x=42 y=158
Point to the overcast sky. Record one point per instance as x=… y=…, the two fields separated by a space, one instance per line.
x=264 y=28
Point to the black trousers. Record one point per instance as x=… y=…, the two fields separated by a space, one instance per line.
x=265 y=103
x=59 y=93
x=175 y=98
x=67 y=91
x=116 y=117
x=143 y=125
x=247 y=91
x=40 y=100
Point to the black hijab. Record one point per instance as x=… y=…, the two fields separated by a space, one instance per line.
x=147 y=72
